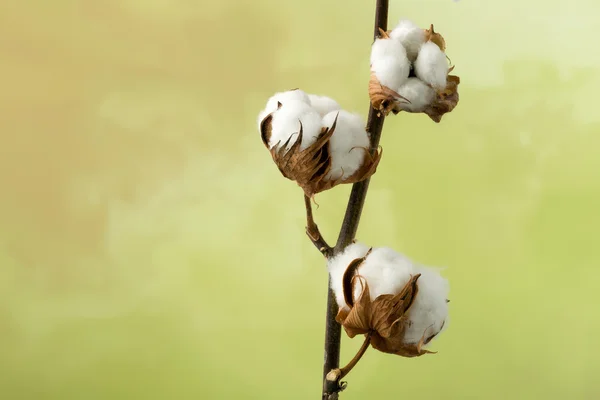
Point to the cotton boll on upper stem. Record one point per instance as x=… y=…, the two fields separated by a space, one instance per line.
x=411 y=36
x=418 y=93
x=323 y=104
x=431 y=66
x=349 y=144
x=286 y=124
x=389 y=62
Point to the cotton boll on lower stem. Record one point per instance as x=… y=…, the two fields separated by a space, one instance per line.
x=387 y=272
x=349 y=144
x=389 y=62
x=418 y=93
x=411 y=36
x=431 y=66
x=286 y=124
x=323 y=104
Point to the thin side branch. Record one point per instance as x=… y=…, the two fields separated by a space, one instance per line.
x=348 y=231
x=312 y=230
x=338 y=374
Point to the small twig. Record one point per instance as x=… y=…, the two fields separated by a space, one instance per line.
x=312 y=230
x=356 y=201
x=337 y=375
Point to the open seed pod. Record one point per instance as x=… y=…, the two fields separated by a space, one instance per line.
x=417 y=95
x=384 y=318
x=311 y=166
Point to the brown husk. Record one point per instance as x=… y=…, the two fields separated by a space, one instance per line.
x=385 y=318
x=386 y=100
x=310 y=166
x=435 y=37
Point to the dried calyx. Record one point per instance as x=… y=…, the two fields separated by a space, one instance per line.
x=410 y=72
x=315 y=143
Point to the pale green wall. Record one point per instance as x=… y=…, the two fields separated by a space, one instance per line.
x=150 y=249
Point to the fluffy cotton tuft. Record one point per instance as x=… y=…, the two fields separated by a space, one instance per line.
x=431 y=66
x=411 y=36
x=429 y=311
x=283 y=97
x=389 y=62
x=323 y=104
x=348 y=145
x=286 y=123
x=418 y=93
x=387 y=272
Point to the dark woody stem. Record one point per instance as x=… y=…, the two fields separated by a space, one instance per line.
x=312 y=230
x=348 y=232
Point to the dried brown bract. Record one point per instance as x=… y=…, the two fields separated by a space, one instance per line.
x=445 y=101
x=435 y=37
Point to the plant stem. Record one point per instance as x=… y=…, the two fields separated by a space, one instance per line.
x=348 y=230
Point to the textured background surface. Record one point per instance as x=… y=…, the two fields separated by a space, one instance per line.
x=150 y=249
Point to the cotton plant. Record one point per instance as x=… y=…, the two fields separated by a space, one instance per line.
x=398 y=305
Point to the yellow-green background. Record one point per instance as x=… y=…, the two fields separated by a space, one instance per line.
x=150 y=249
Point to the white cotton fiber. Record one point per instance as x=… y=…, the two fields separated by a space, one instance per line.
x=387 y=272
x=411 y=36
x=418 y=93
x=323 y=104
x=283 y=97
x=429 y=311
x=286 y=124
x=431 y=66
x=389 y=62
x=348 y=145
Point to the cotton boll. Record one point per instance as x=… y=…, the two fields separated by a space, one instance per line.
x=431 y=66
x=286 y=123
x=337 y=267
x=323 y=104
x=348 y=144
x=283 y=97
x=411 y=36
x=429 y=311
x=418 y=93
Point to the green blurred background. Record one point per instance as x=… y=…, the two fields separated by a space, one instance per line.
x=150 y=249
